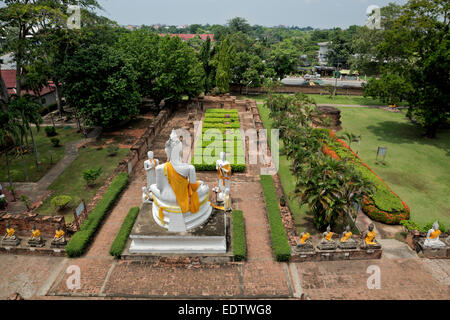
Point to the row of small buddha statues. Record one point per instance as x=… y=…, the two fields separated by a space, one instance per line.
x=35 y=240
x=345 y=241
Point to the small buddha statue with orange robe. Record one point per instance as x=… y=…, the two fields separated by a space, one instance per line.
x=305 y=244
x=432 y=240
x=346 y=241
x=327 y=242
x=10 y=233
x=59 y=240
x=368 y=238
x=10 y=238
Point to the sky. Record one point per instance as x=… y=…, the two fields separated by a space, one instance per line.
x=302 y=13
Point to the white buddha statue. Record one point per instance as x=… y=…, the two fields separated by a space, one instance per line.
x=150 y=166
x=223 y=168
x=432 y=240
x=180 y=202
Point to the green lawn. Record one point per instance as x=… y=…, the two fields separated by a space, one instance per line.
x=325 y=99
x=417 y=168
x=48 y=156
x=71 y=182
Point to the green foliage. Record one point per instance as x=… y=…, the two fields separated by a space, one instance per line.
x=101 y=83
x=50 y=131
x=55 y=142
x=239 y=239
x=122 y=236
x=25 y=200
x=223 y=62
x=390 y=88
x=412 y=225
x=61 y=202
x=81 y=239
x=280 y=243
x=90 y=175
x=112 y=149
x=3 y=203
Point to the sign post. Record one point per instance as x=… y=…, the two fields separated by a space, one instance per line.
x=381 y=153
x=80 y=211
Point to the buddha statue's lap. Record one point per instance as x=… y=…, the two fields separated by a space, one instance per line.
x=177 y=194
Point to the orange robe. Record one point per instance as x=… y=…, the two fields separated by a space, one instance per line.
x=185 y=192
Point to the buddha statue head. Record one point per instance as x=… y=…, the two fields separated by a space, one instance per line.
x=174 y=148
x=150 y=155
x=347 y=228
x=8 y=225
x=223 y=156
x=328 y=228
x=436 y=226
x=371 y=227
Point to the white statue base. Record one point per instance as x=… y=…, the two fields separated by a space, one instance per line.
x=182 y=222
x=148 y=237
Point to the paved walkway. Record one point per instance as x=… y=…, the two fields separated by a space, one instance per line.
x=38 y=190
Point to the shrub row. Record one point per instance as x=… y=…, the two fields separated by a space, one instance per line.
x=280 y=243
x=81 y=239
x=237 y=167
x=229 y=111
x=239 y=240
x=215 y=125
x=412 y=225
x=122 y=236
x=383 y=205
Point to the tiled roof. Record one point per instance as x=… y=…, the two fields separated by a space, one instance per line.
x=188 y=36
x=9 y=77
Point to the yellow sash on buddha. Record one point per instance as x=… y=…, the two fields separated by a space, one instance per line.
x=329 y=236
x=36 y=233
x=435 y=234
x=346 y=236
x=185 y=192
x=59 y=234
x=222 y=175
x=304 y=238
x=370 y=236
x=10 y=232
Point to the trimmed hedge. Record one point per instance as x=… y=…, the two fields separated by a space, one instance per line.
x=122 y=236
x=280 y=243
x=412 y=225
x=384 y=205
x=214 y=119
x=239 y=240
x=81 y=239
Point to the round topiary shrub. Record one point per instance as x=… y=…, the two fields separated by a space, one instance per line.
x=55 y=142
x=50 y=131
x=61 y=202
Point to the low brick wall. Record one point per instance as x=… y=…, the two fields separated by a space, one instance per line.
x=352 y=91
x=23 y=223
x=356 y=254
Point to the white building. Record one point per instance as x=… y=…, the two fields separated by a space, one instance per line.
x=323 y=53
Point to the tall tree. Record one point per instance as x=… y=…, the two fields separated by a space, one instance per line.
x=416 y=50
x=223 y=62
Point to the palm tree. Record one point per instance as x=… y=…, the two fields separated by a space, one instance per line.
x=8 y=128
x=28 y=111
x=349 y=139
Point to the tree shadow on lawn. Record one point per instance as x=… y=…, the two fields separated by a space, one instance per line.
x=408 y=133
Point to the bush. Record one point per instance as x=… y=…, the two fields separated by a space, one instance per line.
x=239 y=240
x=50 y=131
x=90 y=175
x=3 y=203
x=122 y=236
x=81 y=239
x=412 y=225
x=280 y=243
x=55 y=142
x=384 y=205
x=26 y=201
x=60 y=202
x=112 y=150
